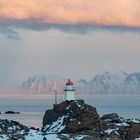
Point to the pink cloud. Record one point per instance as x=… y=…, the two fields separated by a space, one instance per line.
x=73 y=12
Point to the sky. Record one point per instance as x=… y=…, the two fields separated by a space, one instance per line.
x=76 y=39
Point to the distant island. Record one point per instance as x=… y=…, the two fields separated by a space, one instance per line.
x=107 y=83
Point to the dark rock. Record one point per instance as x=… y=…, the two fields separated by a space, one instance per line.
x=11 y=126
x=133 y=131
x=114 y=136
x=12 y=112
x=14 y=130
x=72 y=116
x=112 y=117
x=115 y=121
x=123 y=132
x=44 y=138
x=91 y=135
x=103 y=125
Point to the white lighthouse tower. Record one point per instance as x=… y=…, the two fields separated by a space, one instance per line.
x=69 y=92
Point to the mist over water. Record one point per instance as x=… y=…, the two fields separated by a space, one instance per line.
x=32 y=107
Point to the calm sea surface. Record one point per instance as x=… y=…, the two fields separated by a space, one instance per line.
x=33 y=109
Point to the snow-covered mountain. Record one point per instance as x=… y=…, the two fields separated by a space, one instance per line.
x=131 y=84
x=81 y=86
x=44 y=84
x=106 y=83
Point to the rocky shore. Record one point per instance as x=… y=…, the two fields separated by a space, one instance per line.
x=74 y=120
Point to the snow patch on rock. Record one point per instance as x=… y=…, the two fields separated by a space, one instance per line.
x=56 y=127
x=109 y=130
x=137 y=138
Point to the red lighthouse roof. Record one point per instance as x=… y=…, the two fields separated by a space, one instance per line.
x=69 y=82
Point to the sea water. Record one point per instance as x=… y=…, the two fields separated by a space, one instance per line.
x=32 y=109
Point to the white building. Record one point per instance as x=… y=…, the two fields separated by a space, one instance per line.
x=69 y=92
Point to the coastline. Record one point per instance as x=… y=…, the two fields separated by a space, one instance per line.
x=62 y=125
x=32 y=107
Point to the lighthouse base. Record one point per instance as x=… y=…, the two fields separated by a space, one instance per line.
x=69 y=95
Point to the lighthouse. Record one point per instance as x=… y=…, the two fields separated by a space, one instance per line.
x=69 y=91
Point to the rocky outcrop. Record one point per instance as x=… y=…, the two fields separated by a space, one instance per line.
x=12 y=130
x=71 y=117
x=121 y=129
x=76 y=117
x=111 y=116
x=133 y=131
x=12 y=112
x=73 y=120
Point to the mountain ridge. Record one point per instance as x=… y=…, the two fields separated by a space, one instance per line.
x=105 y=83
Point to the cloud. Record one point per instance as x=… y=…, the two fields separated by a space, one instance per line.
x=79 y=15
x=99 y=12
